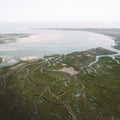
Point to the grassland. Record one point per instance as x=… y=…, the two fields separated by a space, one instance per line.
x=0 y=60
x=37 y=91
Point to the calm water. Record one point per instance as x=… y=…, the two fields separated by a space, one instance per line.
x=46 y=42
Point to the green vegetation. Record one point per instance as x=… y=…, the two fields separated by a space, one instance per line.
x=37 y=91
x=0 y=60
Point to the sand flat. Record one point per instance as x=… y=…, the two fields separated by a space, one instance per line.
x=36 y=37
x=69 y=70
x=30 y=58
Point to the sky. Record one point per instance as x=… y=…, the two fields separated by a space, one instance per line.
x=59 y=10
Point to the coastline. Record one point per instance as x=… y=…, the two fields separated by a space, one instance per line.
x=35 y=37
x=30 y=58
x=94 y=52
x=114 y=33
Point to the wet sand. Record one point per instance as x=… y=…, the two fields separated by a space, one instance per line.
x=36 y=37
x=30 y=58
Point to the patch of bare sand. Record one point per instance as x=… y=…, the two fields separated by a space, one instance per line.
x=36 y=37
x=69 y=70
x=29 y=58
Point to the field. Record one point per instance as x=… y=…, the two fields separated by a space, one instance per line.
x=0 y=60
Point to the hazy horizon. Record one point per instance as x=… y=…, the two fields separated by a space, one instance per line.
x=21 y=26
x=63 y=13
x=59 y=11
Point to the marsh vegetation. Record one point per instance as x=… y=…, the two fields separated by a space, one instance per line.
x=37 y=90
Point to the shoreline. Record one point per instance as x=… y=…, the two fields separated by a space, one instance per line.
x=94 y=51
x=30 y=58
x=35 y=37
x=114 y=33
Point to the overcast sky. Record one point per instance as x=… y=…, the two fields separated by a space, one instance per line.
x=59 y=10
